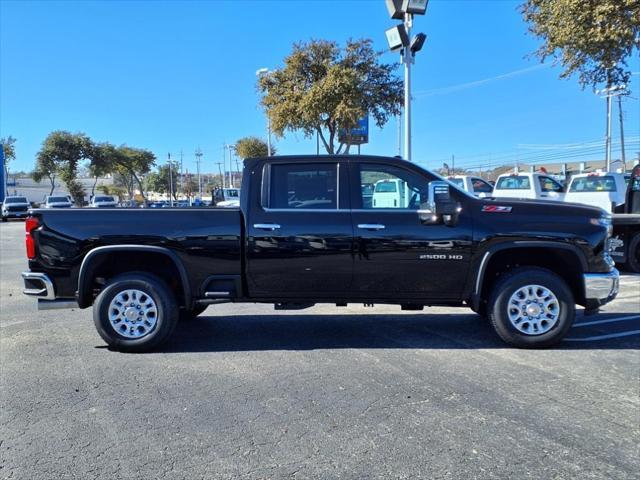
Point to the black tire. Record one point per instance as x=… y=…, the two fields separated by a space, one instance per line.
x=510 y=283
x=4 y=219
x=633 y=254
x=186 y=315
x=165 y=319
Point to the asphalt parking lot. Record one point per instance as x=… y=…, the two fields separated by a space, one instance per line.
x=248 y=392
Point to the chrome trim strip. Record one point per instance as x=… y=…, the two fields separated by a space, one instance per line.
x=47 y=290
x=56 y=304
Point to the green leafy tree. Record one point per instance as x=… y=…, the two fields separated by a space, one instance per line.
x=323 y=89
x=60 y=154
x=250 y=147
x=159 y=180
x=591 y=38
x=8 y=145
x=101 y=162
x=132 y=164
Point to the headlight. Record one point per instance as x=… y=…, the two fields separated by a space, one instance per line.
x=604 y=221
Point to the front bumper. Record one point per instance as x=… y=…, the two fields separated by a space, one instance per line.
x=601 y=288
x=21 y=214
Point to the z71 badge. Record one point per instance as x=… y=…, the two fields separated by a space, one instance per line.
x=496 y=208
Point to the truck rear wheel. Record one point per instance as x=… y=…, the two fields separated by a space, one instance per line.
x=633 y=254
x=531 y=308
x=135 y=312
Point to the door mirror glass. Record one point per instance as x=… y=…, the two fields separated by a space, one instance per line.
x=440 y=206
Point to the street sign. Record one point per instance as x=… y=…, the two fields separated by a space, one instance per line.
x=359 y=135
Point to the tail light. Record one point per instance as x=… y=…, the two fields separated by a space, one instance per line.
x=30 y=225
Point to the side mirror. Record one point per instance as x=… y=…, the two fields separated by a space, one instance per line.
x=439 y=205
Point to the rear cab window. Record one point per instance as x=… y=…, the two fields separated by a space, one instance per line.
x=513 y=182
x=604 y=183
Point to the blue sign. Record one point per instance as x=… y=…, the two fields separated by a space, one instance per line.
x=359 y=135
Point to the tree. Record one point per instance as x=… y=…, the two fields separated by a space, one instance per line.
x=323 y=89
x=60 y=155
x=132 y=164
x=101 y=162
x=159 y=180
x=8 y=145
x=250 y=147
x=591 y=38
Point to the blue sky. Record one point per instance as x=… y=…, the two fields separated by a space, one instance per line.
x=173 y=76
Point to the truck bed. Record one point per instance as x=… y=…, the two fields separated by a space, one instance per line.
x=206 y=239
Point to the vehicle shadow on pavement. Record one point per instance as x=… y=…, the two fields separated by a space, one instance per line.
x=210 y=333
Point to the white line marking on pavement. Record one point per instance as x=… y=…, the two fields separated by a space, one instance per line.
x=603 y=337
x=608 y=320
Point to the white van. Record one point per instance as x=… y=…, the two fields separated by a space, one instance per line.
x=599 y=189
x=536 y=186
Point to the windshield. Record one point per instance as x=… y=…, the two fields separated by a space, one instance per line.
x=593 y=184
x=103 y=199
x=513 y=182
x=385 y=187
x=57 y=199
x=15 y=200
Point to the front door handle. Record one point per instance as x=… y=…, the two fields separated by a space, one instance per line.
x=371 y=226
x=266 y=226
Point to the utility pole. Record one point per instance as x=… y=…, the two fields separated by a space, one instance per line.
x=170 y=180
x=624 y=160
x=221 y=176
x=609 y=92
x=399 y=122
x=453 y=164
x=224 y=164
x=198 y=157
x=181 y=174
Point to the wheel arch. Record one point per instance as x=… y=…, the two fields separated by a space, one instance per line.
x=94 y=259
x=565 y=260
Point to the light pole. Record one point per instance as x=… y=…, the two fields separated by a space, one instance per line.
x=170 y=180
x=261 y=73
x=399 y=40
x=610 y=92
x=198 y=157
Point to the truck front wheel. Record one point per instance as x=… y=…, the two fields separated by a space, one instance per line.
x=135 y=312
x=531 y=307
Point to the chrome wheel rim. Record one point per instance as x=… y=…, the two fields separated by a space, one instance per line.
x=133 y=314
x=533 y=310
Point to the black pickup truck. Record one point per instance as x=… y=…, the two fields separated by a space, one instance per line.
x=326 y=229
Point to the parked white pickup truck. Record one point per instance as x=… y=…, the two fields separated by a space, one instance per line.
x=535 y=186
x=473 y=185
x=599 y=189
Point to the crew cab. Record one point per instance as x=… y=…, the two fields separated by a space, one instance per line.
x=15 y=207
x=58 y=201
x=304 y=234
x=526 y=185
x=474 y=185
x=103 y=201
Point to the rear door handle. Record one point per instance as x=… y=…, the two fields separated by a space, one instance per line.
x=371 y=226
x=266 y=226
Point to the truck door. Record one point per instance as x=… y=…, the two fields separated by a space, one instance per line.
x=396 y=255
x=299 y=232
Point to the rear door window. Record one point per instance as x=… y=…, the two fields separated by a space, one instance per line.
x=303 y=186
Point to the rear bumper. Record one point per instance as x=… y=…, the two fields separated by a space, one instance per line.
x=601 y=288
x=40 y=286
